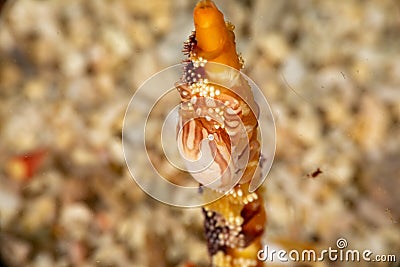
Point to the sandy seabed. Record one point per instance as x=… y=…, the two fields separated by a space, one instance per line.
x=329 y=69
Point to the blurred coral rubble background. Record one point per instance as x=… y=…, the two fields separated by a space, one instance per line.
x=329 y=69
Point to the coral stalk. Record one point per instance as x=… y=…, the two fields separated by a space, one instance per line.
x=227 y=118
